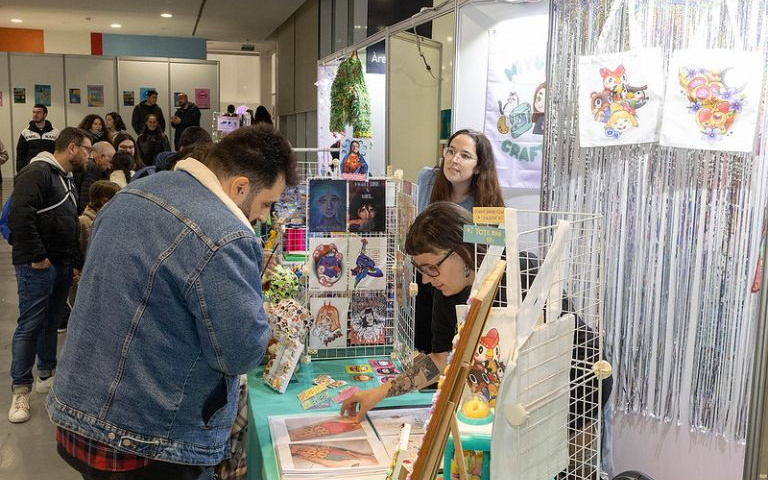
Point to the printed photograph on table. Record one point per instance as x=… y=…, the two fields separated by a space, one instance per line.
x=43 y=94
x=327 y=205
x=713 y=100
x=388 y=421
x=329 y=325
x=367 y=206
x=331 y=428
x=95 y=95
x=335 y=455
x=74 y=95
x=19 y=95
x=352 y=154
x=368 y=263
x=328 y=264
x=367 y=321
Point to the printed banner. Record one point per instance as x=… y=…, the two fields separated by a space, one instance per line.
x=516 y=98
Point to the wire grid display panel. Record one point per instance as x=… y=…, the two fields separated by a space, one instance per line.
x=579 y=278
x=398 y=322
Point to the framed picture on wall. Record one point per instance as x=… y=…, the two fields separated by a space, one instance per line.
x=74 y=95
x=203 y=98
x=128 y=98
x=43 y=95
x=95 y=95
x=176 y=99
x=19 y=95
x=144 y=91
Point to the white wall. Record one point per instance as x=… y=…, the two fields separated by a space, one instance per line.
x=137 y=74
x=240 y=80
x=6 y=134
x=186 y=77
x=81 y=71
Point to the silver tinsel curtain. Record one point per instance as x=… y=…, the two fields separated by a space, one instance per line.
x=682 y=227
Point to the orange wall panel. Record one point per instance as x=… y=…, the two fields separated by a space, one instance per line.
x=21 y=40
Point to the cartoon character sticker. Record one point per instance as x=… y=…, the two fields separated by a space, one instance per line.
x=713 y=102
x=616 y=105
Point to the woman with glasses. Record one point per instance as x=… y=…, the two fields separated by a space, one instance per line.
x=466 y=176
x=435 y=242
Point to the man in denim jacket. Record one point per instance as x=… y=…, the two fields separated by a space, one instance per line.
x=168 y=315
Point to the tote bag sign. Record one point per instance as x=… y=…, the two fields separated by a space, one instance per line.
x=712 y=100
x=620 y=97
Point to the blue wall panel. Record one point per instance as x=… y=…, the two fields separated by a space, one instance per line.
x=152 y=46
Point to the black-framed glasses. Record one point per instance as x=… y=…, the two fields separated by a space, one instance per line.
x=432 y=270
x=88 y=149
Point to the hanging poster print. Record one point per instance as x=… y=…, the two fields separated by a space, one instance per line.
x=712 y=101
x=516 y=97
x=367 y=206
x=292 y=206
x=327 y=205
x=74 y=95
x=403 y=278
x=43 y=94
x=95 y=95
x=620 y=97
x=329 y=327
x=352 y=156
x=367 y=321
x=144 y=91
x=369 y=255
x=128 y=98
x=203 y=98
x=327 y=264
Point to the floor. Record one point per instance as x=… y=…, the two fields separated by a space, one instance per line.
x=27 y=450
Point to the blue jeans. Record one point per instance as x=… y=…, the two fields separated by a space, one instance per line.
x=42 y=297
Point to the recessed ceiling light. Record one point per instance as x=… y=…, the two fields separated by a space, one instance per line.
x=166 y=15
x=115 y=25
x=16 y=20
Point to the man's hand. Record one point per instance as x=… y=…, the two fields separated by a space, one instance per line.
x=76 y=275
x=41 y=265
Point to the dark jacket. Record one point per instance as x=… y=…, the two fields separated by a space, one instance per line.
x=83 y=182
x=150 y=144
x=190 y=117
x=52 y=234
x=140 y=114
x=33 y=141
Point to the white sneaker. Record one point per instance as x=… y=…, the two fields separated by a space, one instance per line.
x=19 y=412
x=42 y=386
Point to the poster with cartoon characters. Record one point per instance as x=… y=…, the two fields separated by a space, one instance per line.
x=329 y=322
x=327 y=264
x=620 y=97
x=712 y=100
x=368 y=263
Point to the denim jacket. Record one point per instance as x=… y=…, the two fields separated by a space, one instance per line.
x=169 y=313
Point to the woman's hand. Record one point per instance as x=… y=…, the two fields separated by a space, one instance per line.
x=365 y=399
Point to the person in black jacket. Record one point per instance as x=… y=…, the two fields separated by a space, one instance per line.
x=97 y=169
x=44 y=235
x=39 y=136
x=144 y=109
x=152 y=141
x=187 y=115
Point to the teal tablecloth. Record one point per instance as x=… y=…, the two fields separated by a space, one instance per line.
x=264 y=402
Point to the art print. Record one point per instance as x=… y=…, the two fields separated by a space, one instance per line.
x=367 y=321
x=615 y=105
x=176 y=103
x=327 y=205
x=129 y=98
x=329 y=325
x=203 y=98
x=367 y=206
x=291 y=209
x=333 y=455
x=95 y=95
x=74 y=95
x=406 y=214
x=328 y=428
x=352 y=155
x=487 y=369
x=144 y=91
x=403 y=278
x=369 y=254
x=19 y=95
x=43 y=94
x=389 y=421
x=328 y=264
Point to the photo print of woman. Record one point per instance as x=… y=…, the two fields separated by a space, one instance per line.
x=327 y=205
x=367 y=206
x=353 y=153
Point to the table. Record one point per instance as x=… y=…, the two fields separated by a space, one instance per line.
x=264 y=402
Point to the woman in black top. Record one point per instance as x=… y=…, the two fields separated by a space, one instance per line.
x=152 y=141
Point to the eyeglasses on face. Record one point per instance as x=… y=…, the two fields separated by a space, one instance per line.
x=451 y=152
x=88 y=149
x=433 y=270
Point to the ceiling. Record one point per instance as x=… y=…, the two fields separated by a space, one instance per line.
x=238 y=21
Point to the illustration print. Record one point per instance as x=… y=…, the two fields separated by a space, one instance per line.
x=370 y=255
x=333 y=428
x=487 y=368
x=615 y=106
x=352 y=153
x=713 y=103
x=327 y=205
x=329 y=326
x=367 y=206
x=367 y=323
x=326 y=265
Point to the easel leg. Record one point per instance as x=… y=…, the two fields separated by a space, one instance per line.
x=458 y=452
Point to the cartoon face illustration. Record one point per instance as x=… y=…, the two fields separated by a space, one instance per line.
x=329 y=203
x=488 y=347
x=328 y=264
x=718 y=117
x=620 y=122
x=328 y=319
x=600 y=102
x=539 y=99
x=613 y=80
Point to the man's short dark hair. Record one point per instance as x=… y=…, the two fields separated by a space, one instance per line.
x=41 y=105
x=151 y=92
x=257 y=152
x=192 y=135
x=70 y=135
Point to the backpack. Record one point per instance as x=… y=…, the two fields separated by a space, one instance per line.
x=5 y=230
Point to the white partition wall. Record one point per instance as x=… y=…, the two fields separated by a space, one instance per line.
x=6 y=135
x=135 y=74
x=84 y=71
x=26 y=71
x=188 y=76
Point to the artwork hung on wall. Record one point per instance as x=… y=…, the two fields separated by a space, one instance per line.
x=129 y=98
x=367 y=321
x=352 y=155
x=367 y=206
x=327 y=205
x=329 y=327
x=203 y=98
x=74 y=95
x=19 y=95
x=95 y=95
x=143 y=91
x=176 y=99
x=370 y=263
x=328 y=268
x=43 y=94
x=292 y=206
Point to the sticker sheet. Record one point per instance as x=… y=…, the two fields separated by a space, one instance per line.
x=367 y=321
x=328 y=264
x=368 y=272
x=329 y=327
